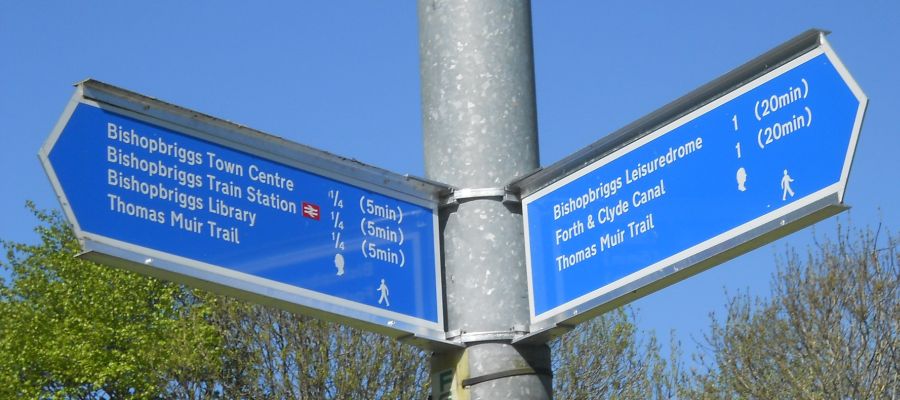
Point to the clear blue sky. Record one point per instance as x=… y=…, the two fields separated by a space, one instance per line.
x=343 y=77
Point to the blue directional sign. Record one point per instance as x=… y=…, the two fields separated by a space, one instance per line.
x=752 y=160
x=195 y=199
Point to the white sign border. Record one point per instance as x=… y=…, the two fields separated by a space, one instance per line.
x=553 y=316
x=224 y=280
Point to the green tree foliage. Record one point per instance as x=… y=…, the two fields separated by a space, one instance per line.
x=607 y=358
x=73 y=329
x=273 y=354
x=70 y=329
x=829 y=329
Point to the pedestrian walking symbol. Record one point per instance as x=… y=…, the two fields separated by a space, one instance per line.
x=786 y=186
x=384 y=294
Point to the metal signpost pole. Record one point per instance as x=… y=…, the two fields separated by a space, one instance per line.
x=480 y=132
x=179 y=195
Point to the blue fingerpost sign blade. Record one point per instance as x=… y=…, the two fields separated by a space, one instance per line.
x=740 y=169
x=173 y=193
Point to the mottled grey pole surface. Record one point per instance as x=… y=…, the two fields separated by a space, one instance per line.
x=480 y=132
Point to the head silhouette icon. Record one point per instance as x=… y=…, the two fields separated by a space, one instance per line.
x=339 y=264
x=741 y=179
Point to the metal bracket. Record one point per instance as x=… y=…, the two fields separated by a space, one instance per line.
x=461 y=336
x=462 y=195
x=504 y=374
